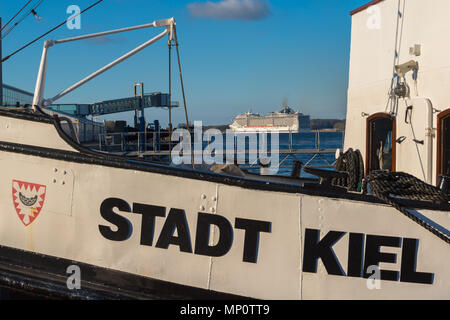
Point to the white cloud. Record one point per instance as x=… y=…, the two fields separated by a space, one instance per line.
x=230 y=9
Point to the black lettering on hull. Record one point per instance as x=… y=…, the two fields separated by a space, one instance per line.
x=315 y=249
x=176 y=222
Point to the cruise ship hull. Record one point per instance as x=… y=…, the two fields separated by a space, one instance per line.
x=267 y=129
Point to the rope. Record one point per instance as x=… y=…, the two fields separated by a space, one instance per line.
x=14 y=16
x=392 y=101
x=351 y=162
x=390 y=186
x=181 y=78
x=40 y=37
x=23 y=17
x=170 y=98
x=188 y=127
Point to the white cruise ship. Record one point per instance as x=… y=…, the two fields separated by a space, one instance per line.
x=286 y=120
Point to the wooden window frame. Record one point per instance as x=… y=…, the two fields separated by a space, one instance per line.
x=381 y=115
x=439 y=145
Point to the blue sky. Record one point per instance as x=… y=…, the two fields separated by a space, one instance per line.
x=236 y=54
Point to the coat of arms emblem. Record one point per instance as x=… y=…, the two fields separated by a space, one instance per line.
x=28 y=199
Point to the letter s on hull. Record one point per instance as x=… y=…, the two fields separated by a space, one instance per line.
x=124 y=227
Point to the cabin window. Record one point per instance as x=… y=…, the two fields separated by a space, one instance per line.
x=380 y=143
x=443 y=140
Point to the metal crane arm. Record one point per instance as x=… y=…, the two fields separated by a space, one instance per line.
x=40 y=82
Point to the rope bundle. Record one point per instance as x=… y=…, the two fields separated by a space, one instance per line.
x=390 y=186
x=404 y=185
x=352 y=162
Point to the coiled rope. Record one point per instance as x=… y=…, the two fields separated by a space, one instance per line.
x=351 y=162
x=391 y=186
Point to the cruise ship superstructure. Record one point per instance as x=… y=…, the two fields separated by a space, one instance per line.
x=286 y=120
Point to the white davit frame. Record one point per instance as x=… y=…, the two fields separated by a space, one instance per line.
x=38 y=99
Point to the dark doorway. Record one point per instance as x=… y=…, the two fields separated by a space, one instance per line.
x=443 y=143
x=380 y=143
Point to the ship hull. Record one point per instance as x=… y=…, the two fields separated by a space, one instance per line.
x=267 y=129
x=213 y=234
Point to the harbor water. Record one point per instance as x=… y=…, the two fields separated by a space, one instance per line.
x=302 y=146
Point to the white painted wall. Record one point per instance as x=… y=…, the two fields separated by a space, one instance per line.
x=371 y=68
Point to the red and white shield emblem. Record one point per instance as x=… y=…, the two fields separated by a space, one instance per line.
x=28 y=199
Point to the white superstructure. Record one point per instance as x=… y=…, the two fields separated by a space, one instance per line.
x=286 y=120
x=407 y=117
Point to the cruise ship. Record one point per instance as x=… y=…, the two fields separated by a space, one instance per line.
x=286 y=120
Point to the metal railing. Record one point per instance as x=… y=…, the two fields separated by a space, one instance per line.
x=308 y=148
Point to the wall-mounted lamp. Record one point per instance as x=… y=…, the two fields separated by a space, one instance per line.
x=363 y=114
